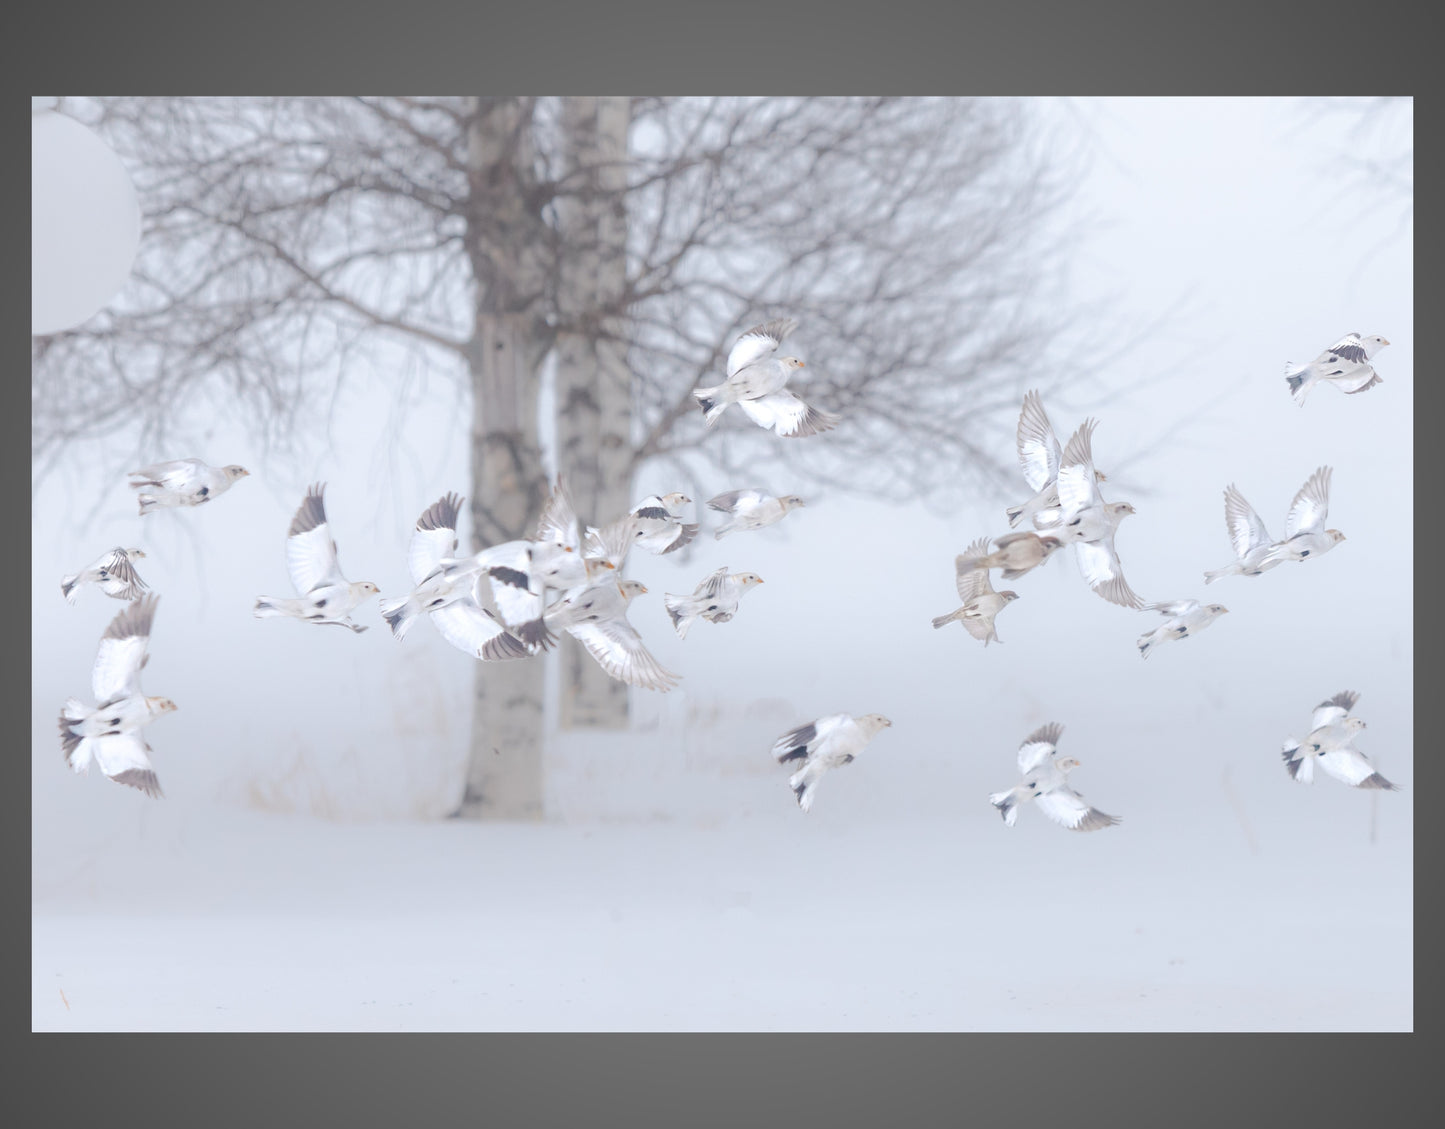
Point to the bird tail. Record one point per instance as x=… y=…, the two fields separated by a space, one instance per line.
x=147 y=502
x=399 y=615
x=712 y=403
x=1301 y=768
x=1213 y=574
x=1146 y=643
x=75 y=747
x=804 y=784
x=945 y=620
x=69 y=588
x=1007 y=804
x=682 y=610
x=1299 y=388
x=1014 y=514
x=723 y=531
x=267 y=606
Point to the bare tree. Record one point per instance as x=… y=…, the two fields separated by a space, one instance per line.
x=624 y=241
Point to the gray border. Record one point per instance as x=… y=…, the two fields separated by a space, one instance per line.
x=1041 y=47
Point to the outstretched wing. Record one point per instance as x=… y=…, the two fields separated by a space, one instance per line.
x=1350 y=766
x=1039 y=746
x=1174 y=607
x=803 y=742
x=619 y=650
x=1246 y=530
x=727 y=503
x=1101 y=568
x=125 y=758
x=712 y=584
x=1311 y=505
x=1333 y=709
x=558 y=522
x=471 y=628
x=758 y=342
x=1039 y=452
x=972 y=582
x=434 y=538
x=124 y=582
x=122 y=652
x=310 y=549
x=1077 y=482
x=1066 y=807
x=612 y=542
x=1349 y=349
x=788 y=415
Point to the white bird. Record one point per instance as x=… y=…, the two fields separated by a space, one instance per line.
x=1330 y=744
x=182 y=482
x=757 y=382
x=109 y=732
x=715 y=599
x=654 y=524
x=1183 y=618
x=1040 y=457
x=1018 y=553
x=980 y=602
x=1045 y=782
x=825 y=744
x=1305 y=535
x=113 y=573
x=1089 y=522
x=1345 y=364
x=1252 y=542
x=596 y=616
x=325 y=595
x=751 y=509
x=448 y=594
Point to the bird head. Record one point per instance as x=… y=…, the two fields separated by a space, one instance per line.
x=791 y=501
x=597 y=568
x=1122 y=509
x=234 y=471
x=1218 y=609
x=1100 y=476
x=367 y=588
x=1009 y=595
x=631 y=589
x=161 y=705
x=793 y=362
x=1373 y=343
x=873 y=722
x=748 y=579
x=1067 y=764
x=133 y=554
x=1335 y=536
x=675 y=501
x=1355 y=724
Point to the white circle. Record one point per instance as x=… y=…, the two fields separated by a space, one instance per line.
x=84 y=223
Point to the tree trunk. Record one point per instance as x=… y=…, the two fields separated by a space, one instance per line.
x=594 y=384
x=506 y=238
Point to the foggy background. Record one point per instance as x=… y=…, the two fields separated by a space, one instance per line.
x=299 y=875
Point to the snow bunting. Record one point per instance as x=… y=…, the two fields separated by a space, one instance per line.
x=658 y=526
x=114 y=574
x=751 y=509
x=1040 y=457
x=757 y=382
x=182 y=482
x=1018 y=553
x=1330 y=744
x=980 y=602
x=325 y=595
x=824 y=744
x=1252 y=542
x=1345 y=364
x=596 y=616
x=109 y=733
x=1305 y=535
x=715 y=599
x=1089 y=522
x=446 y=590
x=1045 y=782
x=1185 y=618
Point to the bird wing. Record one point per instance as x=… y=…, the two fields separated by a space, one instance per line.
x=972 y=582
x=559 y=520
x=120 y=569
x=728 y=503
x=619 y=650
x=788 y=415
x=472 y=628
x=1311 y=505
x=1065 y=806
x=1077 y=482
x=758 y=342
x=808 y=738
x=1350 y=766
x=612 y=542
x=1333 y=709
x=1348 y=348
x=124 y=757
x=1039 y=453
x=1038 y=746
x=713 y=583
x=122 y=652
x=310 y=549
x=1246 y=530
x=517 y=592
x=434 y=538
x=174 y=475
x=1101 y=568
x=1174 y=607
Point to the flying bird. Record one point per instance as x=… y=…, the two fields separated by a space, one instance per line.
x=1345 y=364
x=1040 y=457
x=113 y=573
x=980 y=602
x=1045 y=782
x=325 y=595
x=182 y=482
x=1305 y=535
x=1330 y=744
x=654 y=524
x=715 y=599
x=1183 y=618
x=757 y=382
x=1252 y=542
x=751 y=509
x=109 y=733
x=446 y=590
x=1089 y=522
x=1017 y=554
x=827 y=743
x=596 y=616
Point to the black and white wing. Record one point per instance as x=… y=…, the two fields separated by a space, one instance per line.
x=972 y=582
x=758 y=342
x=1349 y=349
x=786 y=414
x=802 y=742
x=728 y=503
x=472 y=628
x=120 y=578
x=310 y=548
x=1333 y=709
x=435 y=537
x=619 y=650
x=177 y=474
x=1101 y=568
x=1039 y=746
x=1350 y=766
x=1039 y=452
x=1246 y=530
x=1066 y=807
x=713 y=583
x=122 y=652
x=1173 y=607
x=1077 y=482
x=1311 y=505
x=125 y=758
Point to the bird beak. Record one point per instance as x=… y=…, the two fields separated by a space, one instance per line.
x=802 y=365
x=644 y=589
x=609 y=564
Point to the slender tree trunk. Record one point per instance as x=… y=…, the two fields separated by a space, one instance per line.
x=511 y=338
x=594 y=384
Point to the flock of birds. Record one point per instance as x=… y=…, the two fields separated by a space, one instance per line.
x=565 y=578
